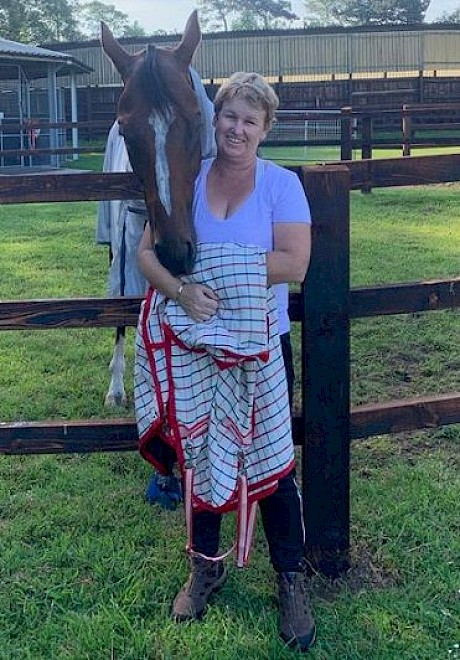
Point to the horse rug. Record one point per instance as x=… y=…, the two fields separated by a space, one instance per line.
x=216 y=392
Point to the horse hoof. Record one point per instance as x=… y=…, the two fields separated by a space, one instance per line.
x=116 y=401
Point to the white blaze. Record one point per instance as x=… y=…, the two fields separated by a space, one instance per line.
x=160 y=125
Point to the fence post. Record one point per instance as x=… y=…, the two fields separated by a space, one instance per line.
x=366 y=137
x=346 y=134
x=406 y=129
x=326 y=372
x=366 y=144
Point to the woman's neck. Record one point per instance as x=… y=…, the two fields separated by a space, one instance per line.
x=225 y=166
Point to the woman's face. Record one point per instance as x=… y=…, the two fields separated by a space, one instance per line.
x=240 y=127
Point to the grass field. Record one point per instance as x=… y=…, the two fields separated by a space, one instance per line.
x=88 y=570
x=291 y=155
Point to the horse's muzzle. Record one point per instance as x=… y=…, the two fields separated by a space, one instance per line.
x=179 y=258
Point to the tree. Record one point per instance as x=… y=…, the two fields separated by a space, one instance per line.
x=57 y=19
x=13 y=20
x=366 y=12
x=35 y=21
x=245 y=20
x=95 y=11
x=48 y=21
x=136 y=30
x=267 y=14
x=245 y=14
x=450 y=17
x=322 y=12
x=214 y=14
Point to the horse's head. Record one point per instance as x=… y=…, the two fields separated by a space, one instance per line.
x=159 y=118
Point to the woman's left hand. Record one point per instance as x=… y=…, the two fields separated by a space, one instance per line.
x=198 y=301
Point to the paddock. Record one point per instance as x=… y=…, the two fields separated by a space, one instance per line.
x=326 y=424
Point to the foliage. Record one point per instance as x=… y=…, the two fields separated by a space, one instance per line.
x=365 y=12
x=93 y=12
x=245 y=14
x=35 y=21
x=48 y=21
x=214 y=14
x=450 y=17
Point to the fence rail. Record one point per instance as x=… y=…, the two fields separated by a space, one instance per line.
x=326 y=423
x=350 y=128
x=87 y=436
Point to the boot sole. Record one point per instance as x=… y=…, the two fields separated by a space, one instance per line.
x=182 y=618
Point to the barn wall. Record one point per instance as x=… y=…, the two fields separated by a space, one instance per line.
x=299 y=53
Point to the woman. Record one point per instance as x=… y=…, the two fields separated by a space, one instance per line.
x=242 y=200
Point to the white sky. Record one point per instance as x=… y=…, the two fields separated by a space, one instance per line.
x=171 y=15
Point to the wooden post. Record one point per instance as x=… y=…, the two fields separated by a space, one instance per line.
x=366 y=137
x=366 y=145
x=421 y=87
x=406 y=130
x=325 y=372
x=346 y=134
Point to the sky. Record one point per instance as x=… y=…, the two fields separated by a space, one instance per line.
x=171 y=15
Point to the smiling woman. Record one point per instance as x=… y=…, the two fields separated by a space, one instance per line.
x=214 y=373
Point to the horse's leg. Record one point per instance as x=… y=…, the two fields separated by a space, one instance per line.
x=126 y=279
x=116 y=395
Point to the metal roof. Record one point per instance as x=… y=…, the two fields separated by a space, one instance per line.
x=35 y=61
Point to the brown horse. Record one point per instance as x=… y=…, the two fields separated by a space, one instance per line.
x=165 y=119
x=160 y=119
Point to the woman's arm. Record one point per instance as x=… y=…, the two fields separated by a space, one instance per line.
x=198 y=301
x=289 y=260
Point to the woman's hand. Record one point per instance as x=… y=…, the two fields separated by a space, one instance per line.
x=198 y=301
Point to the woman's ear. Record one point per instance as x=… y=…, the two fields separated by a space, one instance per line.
x=214 y=120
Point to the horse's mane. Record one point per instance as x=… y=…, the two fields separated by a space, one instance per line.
x=152 y=82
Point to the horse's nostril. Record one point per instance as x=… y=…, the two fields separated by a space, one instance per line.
x=191 y=252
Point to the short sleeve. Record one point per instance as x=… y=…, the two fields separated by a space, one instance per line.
x=290 y=203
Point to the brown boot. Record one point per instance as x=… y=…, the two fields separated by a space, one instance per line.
x=296 y=623
x=206 y=576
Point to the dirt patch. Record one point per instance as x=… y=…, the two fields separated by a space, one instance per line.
x=407 y=446
x=366 y=572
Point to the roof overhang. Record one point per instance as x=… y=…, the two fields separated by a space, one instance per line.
x=36 y=62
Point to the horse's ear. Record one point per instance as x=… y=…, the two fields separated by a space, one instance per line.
x=119 y=56
x=190 y=41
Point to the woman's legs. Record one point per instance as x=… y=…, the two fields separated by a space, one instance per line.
x=206 y=532
x=281 y=512
x=283 y=525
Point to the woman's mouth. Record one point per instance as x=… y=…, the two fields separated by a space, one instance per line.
x=234 y=140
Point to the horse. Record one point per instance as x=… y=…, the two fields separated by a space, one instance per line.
x=163 y=130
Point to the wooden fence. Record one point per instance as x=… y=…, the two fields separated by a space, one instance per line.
x=414 y=126
x=420 y=125
x=326 y=423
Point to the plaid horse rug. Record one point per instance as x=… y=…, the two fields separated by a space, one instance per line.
x=216 y=392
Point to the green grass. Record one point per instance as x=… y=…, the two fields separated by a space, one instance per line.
x=88 y=570
x=302 y=155
x=289 y=155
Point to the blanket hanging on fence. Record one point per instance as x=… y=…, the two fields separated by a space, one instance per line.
x=216 y=392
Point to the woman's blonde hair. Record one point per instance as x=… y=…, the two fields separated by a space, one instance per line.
x=252 y=88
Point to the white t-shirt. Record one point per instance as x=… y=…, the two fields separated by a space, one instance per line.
x=278 y=197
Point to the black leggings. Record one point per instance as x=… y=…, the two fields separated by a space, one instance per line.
x=281 y=512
